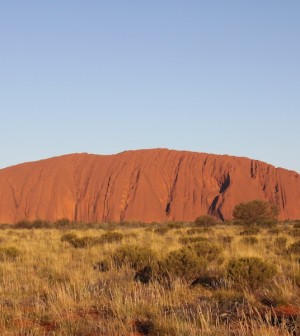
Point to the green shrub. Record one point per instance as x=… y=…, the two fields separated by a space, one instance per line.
x=251 y=271
x=256 y=212
x=111 y=237
x=250 y=231
x=135 y=256
x=9 y=253
x=205 y=220
x=184 y=263
x=249 y=240
x=189 y=240
x=295 y=247
x=206 y=249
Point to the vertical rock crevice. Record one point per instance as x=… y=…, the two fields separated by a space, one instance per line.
x=173 y=189
x=215 y=208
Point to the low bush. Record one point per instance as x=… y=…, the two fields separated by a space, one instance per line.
x=82 y=242
x=194 y=231
x=206 y=281
x=68 y=237
x=295 y=247
x=206 y=249
x=37 y=224
x=280 y=242
x=135 y=256
x=176 y=225
x=145 y=327
x=251 y=271
x=111 y=237
x=77 y=242
x=250 y=231
x=274 y=231
x=296 y=224
x=162 y=230
x=63 y=222
x=10 y=253
x=297 y=279
x=206 y=220
x=52 y=276
x=189 y=240
x=295 y=233
x=226 y=239
x=184 y=263
x=249 y=240
x=102 y=266
x=144 y=275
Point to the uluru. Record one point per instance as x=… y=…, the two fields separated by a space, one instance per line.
x=143 y=185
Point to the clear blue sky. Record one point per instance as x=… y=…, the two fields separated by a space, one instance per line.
x=106 y=76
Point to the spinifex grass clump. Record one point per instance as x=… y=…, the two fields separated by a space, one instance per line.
x=280 y=243
x=68 y=237
x=252 y=230
x=225 y=240
x=249 y=240
x=295 y=248
x=206 y=220
x=79 y=242
x=295 y=233
x=110 y=237
x=161 y=230
x=252 y=271
x=135 y=256
x=194 y=231
x=102 y=266
x=87 y=241
x=9 y=253
x=297 y=224
x=189 y=240
x=206 y=249
x=184 y=263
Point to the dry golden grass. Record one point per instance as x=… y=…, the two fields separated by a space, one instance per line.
x=52 y=288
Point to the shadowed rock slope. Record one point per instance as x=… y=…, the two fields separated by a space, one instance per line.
x=143 y=185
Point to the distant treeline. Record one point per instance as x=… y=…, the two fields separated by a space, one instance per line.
x=65 y=223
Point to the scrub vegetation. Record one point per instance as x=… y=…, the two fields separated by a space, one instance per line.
x=136 y=279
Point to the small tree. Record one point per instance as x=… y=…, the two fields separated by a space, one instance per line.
x=256 y=212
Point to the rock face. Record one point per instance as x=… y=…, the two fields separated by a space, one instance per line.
x=143 y=185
